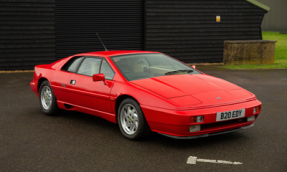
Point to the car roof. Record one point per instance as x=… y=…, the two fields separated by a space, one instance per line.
x=114 y=53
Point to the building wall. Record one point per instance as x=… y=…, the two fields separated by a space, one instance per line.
x=119 y=23
x=41 y=31
x=188 y=31
x=27 y=33
x=276 y=19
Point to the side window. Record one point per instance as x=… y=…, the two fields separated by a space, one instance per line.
x=72 y=64
x=107 y=70
x=90 y=66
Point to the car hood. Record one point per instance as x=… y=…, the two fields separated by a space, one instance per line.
x=192 y=89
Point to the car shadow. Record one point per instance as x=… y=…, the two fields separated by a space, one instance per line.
x=88 y=119
x=101 y=125
x=197 y=142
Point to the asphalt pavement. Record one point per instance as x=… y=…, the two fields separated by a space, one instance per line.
x=31 y=141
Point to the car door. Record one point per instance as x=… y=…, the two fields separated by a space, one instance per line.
x=61 y=78
x=87 y=93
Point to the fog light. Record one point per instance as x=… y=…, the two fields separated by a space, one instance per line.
x=256 y=109
x=250 y=118
x=195 y=119
x=194 y=128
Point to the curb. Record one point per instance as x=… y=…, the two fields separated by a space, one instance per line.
x=17 y=71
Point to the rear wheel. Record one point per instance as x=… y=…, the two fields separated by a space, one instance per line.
x=47 y=99
x=131 y=120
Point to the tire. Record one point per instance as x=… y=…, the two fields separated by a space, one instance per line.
x=131 y=120
x=48 y=101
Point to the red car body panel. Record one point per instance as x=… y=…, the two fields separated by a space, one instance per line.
x=168 y=102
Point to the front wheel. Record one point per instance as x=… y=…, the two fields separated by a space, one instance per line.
x=131 y=120
x=47 y=99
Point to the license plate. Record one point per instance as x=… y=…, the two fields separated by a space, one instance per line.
x=222 y=116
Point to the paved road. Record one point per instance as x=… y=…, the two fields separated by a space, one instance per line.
x=31 y=141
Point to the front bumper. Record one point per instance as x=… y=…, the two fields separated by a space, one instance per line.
x=177 y=123
x=211 y=134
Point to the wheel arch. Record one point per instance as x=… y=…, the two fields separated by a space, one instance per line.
x=41 y=80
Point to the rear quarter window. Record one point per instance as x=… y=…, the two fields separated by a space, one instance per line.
x=72 y=64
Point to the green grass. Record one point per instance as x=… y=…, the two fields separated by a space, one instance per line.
x=280 y=53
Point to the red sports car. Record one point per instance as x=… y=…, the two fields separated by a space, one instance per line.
x=145 y=91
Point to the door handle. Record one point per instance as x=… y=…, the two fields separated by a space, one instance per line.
x=73 y=82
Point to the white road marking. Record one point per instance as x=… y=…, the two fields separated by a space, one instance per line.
x=194 y=159
x=206 y=160
x=191 y=160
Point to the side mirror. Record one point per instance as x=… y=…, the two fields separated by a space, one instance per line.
x=99 y=77
x=193 y=66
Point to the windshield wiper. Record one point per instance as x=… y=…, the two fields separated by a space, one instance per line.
x=178 y=71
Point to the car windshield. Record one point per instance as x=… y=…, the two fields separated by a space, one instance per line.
x=141 y=66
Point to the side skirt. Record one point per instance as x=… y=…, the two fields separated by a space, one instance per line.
x=107 y=116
